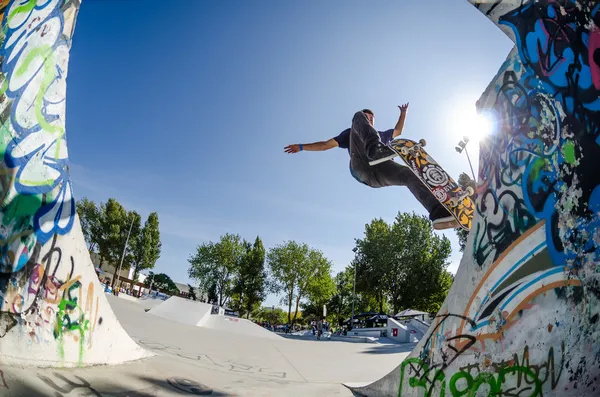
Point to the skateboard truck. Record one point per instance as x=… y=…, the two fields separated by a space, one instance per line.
x=455 y=200
x=405 y=150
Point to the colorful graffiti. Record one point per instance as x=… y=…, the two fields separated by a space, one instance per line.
x=549 y=136
x=52 y=309
x=42 y=296
x=48 y=309
x=515 y=376
x=522 y=315
x=535 y=241
x=37 y=194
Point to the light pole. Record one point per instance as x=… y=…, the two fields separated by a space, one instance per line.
x=462 y=145
x=353 y=296
x=123 y=255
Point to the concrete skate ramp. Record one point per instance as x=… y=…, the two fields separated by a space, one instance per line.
x=149 y=301
x=416 y=330
x=183 y=311
x=53 y=311
x=523 y=315
x=186 y=311
x=237 y=325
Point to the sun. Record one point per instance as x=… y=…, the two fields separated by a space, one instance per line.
x=465 y=121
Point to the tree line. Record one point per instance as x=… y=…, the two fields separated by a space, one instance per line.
x=397 y=266
x=106 y=227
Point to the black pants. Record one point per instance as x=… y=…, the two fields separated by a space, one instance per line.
x=388 y=173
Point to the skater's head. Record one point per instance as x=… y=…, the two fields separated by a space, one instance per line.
x=370 y=115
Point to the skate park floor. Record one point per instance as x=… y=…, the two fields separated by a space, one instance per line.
x=191 y=360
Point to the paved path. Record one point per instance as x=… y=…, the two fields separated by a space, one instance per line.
x=196 y=360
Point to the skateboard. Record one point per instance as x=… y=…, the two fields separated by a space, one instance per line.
x=459 y=202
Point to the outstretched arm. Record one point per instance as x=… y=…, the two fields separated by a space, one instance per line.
x=313 y=147
x=400 y=124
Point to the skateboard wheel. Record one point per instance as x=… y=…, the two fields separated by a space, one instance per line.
x=453 y=202
x=423 y=142
x=470 y=190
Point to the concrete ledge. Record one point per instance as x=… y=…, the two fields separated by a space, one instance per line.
x=354 y=339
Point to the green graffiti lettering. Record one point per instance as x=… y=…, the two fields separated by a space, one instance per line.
x=484 y=378
x=520 y=371
x=506 y=381
x=455 y=379
x=49 y=67
x=44 y=54
x=473 y=385
x=81 y=325
x=25 y=8
x=420 y=378
x=21 y=206
x=548 y=368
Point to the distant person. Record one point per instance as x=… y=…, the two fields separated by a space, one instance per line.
x=319 y=329
x=371 y=164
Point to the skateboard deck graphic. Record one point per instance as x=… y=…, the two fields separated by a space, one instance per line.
x=456 y=200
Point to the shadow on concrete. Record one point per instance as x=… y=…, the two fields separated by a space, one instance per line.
x=182 y=385
x=66 y=383
x=390 y=349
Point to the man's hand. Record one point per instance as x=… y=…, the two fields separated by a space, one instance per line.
x=400 y=124
x=295 y=148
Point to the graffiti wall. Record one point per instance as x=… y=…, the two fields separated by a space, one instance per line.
x=522 y=318
x=52 y=308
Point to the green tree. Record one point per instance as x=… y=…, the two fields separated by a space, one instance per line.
x=375 y=259
x=145 y=245
x=464 y=181
x=124 y=243
x=192 y=292
x=299 y=272
x=113 y=220
x=320 y=287
x=217 y=265
x=131 y=229
x=287 y=263
x=339 y=306
x=210 y=291
x=250 y=283
x=401 y=262
x=272 y=315
x=434 y=302
x=422 y=258
x=114 y=226
x=89 y=217
x=161 y=282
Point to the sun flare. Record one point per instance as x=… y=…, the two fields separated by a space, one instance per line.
x=465 y=121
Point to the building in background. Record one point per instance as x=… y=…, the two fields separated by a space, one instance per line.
x=136 y=288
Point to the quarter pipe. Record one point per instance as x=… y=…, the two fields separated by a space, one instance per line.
x=522 y=317
x=53 y=311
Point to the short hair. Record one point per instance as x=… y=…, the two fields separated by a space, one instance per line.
x=368 y=111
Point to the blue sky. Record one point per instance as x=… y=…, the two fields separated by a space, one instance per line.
x=184 y=107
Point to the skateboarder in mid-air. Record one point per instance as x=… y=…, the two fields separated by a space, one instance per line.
x=371 y=161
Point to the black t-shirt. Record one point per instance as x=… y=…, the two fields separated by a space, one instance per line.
x=343 y=139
